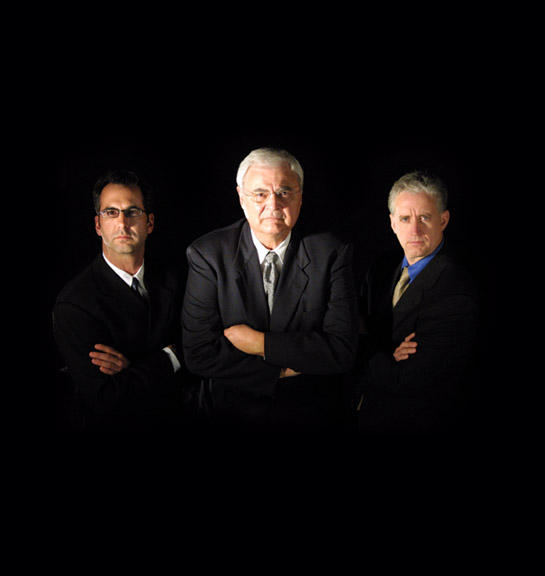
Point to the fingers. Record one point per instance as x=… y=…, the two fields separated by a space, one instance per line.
x=406 y=348
x=288 y=373
x=109 y=360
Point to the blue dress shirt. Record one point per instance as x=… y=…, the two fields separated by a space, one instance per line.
x=417 y=267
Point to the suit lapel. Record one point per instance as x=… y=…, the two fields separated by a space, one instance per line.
x=249 y=281
x=122 y=297
x=291 y=285
x=414 y=294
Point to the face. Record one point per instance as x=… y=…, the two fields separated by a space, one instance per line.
x=272 y=220
x=418 y=224
x=122 y=236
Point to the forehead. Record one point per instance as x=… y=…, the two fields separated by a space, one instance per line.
x=419 y=202
x=120 y=196
x=267 y=176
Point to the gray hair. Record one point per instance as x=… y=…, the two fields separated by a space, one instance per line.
x=269 y=157
x=417 y=183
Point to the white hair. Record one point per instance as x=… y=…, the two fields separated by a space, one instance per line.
x=269 y=157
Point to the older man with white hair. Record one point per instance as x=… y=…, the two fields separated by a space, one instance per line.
x=270 y=311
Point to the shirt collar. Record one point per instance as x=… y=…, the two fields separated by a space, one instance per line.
x=262 y=251
x=125 y=276
x=417 y=267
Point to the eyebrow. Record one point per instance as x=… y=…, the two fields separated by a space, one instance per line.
x=259 y=189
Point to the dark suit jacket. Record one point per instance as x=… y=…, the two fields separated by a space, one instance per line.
x=425 y=393
x=98 y=307
x=312 y=328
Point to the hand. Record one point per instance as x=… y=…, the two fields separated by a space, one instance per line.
x=246 y=339
x=288 y=373
x=406 y=348
x=109 y=359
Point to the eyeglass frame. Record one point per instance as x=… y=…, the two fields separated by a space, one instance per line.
x=277 y=193
x=119 y=211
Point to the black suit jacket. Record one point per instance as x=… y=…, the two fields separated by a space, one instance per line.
x=426 y=392
x=312 y=328
x=98 y=307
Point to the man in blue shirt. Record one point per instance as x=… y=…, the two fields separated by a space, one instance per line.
x=418 y=336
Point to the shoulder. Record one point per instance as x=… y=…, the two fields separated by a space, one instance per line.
x=84 y=284
x=386 y=262
x=165 y=272
x=455 y=275
x=219 y=238
x=319 y=239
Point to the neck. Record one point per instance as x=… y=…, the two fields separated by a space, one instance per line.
x=129 y=263
x=271 y=241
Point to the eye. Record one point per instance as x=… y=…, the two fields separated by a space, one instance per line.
x=284 y=194
x=132 y=212
x=111 y=213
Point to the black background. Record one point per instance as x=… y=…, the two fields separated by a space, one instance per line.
x=352 y=144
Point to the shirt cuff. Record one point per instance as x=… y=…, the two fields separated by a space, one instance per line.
x=173 y=358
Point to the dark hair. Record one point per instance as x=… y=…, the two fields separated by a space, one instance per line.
x=124 y=178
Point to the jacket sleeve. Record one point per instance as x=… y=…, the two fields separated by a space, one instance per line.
x=207 y=352
x=327 y=343
x=445 y=335
x=76 y=332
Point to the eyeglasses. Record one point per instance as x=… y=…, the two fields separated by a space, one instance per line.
x=285 y=195
x=129 y=212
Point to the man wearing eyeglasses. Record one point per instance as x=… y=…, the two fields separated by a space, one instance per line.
x=271 y=360
x=117 y=323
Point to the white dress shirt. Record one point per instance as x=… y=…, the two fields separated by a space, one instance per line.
x=127 y=278
x=280 y=250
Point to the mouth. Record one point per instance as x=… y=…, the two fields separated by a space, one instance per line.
x=275 y=216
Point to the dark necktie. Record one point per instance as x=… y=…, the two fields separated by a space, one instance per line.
x=136 y=287
x=270 y=277
x=401 y=286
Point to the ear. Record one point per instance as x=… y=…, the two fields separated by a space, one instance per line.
x=151 y=223
x=97 y=225
x=445 y=217
x=240 y=197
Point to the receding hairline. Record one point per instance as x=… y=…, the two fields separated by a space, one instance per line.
x=269 y=157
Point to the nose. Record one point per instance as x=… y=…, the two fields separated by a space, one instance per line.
x=122 y=220
x=416 y=227
x=273 y=200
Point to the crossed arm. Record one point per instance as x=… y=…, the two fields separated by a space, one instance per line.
x=251 y=341
x=109 y=360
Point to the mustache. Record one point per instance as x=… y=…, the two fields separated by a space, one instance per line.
x=274 y=214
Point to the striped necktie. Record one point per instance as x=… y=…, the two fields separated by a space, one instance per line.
x=270 y=277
